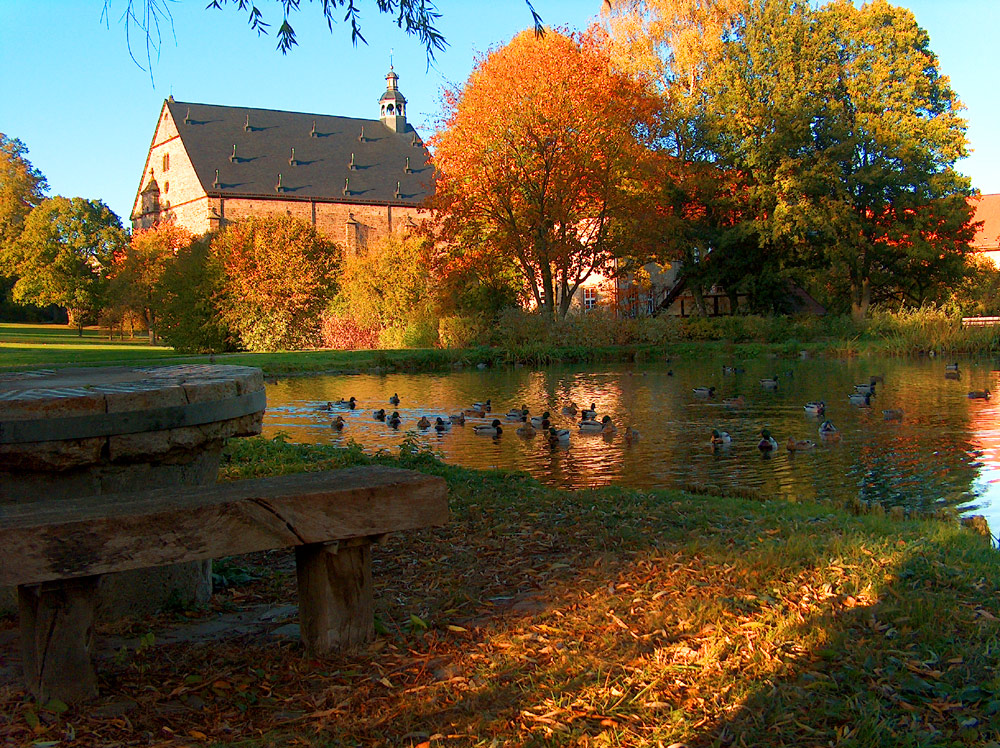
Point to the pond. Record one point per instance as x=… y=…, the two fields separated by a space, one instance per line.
x=945 y=450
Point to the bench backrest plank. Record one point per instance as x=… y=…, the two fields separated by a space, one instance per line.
x=48 y=540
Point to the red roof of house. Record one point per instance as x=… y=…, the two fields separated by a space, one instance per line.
x=987 y=211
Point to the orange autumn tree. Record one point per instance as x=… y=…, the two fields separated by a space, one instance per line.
x=137 y=268
x=542 y=161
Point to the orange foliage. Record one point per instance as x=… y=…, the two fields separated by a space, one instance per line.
x=543 y=159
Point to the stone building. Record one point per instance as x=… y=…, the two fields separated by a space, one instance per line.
x=356 y=180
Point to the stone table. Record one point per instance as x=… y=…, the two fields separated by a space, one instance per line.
x=81 y=432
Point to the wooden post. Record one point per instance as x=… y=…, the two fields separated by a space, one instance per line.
x=336 y=604
x=57 y=634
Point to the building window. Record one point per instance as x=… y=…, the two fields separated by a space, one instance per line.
x=166 y=162
x=589 y=298
x=166 y=187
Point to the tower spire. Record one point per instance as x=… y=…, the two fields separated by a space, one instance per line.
x=392 y=105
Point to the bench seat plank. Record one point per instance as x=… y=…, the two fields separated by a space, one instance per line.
x=49 y=540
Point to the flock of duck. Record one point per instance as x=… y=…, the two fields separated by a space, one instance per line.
x=828 y=432
x=528 y=426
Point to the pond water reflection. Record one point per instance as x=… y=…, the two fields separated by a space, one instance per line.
x=945 y=450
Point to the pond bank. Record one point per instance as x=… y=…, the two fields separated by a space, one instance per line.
x=609 y=617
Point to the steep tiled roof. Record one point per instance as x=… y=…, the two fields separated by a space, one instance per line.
x=264 y=139
x=988 y=211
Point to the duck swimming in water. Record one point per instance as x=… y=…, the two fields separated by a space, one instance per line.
x=338 y=423
x=379 y=415
x=979 y=395
x=394 y=400
x=605 y=425
x=767 y=442
x=720 y=438
x=631 y=435
x=393 y=420
x=589 y=414
x=558 y=436
x=815 y=408
x=570 y=410
x=828 y=431
x=423 y=423
x=441 y=425
x=489 y=429
x=704 y=391
x=537 y=421
x=800 y=445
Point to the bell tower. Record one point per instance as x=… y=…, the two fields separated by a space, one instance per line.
x=392 y=105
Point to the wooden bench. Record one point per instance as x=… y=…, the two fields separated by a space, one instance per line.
x=56 y=552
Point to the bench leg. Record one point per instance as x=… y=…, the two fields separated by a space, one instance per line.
x=336 y=604
x=57 y=634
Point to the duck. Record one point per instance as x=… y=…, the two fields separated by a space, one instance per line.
x=734 y=402
x=526 y=430
x=474 y=412
x=379 y=415
x=352 y=404
x=458 y=418
x=489 y=429
x=800 y=445
x=487 y=406
x=767 y=442
x=570 y=410
x=589 y=414
x=979 y=395
x=770 y=383
x=951 y=367
x=558 y=436
x=631 y=435
x=727 y=370
x=423 y=423
x=537 y=421
x=953 y=375
x=815 y=407
x=441 y=425
x=865 y=389
x=393 y=420
x=595 y=427
x=394 y=400
x=720 y=438
x=893 y=414
x=328 y=406
x=828 y=431
x=338 y=423
x=861 y=399
x=520 y=414
x=704 y=391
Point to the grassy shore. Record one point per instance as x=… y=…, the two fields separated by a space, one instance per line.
x=611 y=617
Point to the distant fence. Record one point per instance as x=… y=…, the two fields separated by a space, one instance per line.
x=980 y=321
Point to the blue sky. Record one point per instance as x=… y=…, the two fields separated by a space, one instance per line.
x=70 y=91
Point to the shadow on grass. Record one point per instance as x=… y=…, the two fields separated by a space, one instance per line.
x=613 y=617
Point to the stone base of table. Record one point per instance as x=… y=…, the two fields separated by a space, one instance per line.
x=71 y=434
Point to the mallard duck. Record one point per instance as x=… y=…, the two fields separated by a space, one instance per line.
x=393 y=420
x=865 y=389
x=704 y=391
x=893 y=414
x=489 y=429
x=526 y=430
x=979 y=395
x=521 y=414
x=951 y=367
x=537 y=421
x=815 y=407
x=338 y=423
x=441 y=425
x=458 y=418
x=800 y=445
x=631 y=435
x=328 y=406
x=589 y=414
x=953 y=375
x=770 y=383
x=352 y=404
x=861 y=399
x=474 y=412
x=596 y=427
x=394 y=400
x=734 y=402
x=423 y=423
x=727 y=370
x=487 y=406
x=379 y=415
x=570 y=410
x=828 y=431
x=720 y=438
x=558 y=436
x=767 y=442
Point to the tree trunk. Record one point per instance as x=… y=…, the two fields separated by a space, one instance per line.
x=861 y=300
x=699 y=299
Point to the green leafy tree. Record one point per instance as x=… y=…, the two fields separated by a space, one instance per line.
x=22 y=187
x=188 y=293
x=63 y=253
x=278 y=275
